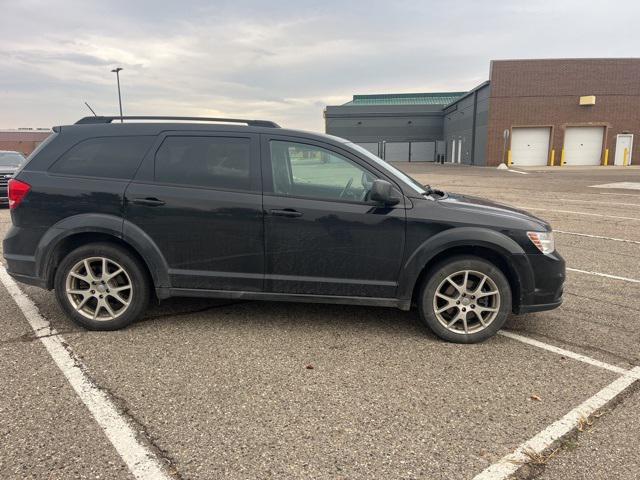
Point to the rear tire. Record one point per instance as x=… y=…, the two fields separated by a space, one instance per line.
x=465 y=299
x=102 y=286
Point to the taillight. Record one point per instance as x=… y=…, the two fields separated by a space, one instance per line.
x=17 y=191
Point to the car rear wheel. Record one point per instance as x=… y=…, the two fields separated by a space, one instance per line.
x=465 y=299
x=102 y=286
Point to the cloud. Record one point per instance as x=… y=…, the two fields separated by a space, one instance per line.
x=283 y=60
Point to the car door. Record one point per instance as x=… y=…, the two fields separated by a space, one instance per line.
x=198 y=197
x=322 y=234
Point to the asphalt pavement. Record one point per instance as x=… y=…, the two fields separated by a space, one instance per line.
x=227 y=389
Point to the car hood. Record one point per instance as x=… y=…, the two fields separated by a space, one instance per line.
x=488 y=207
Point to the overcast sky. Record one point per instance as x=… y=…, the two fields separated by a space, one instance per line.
x=278 y=60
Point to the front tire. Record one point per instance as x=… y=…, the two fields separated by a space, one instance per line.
x=465 y=299
x=102 y=286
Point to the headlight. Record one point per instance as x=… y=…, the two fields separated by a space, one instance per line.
x=543 y=240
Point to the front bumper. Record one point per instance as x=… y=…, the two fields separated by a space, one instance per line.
x=548 y=274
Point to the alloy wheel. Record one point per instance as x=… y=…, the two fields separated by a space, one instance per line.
x=99 y=288
x=466 y=302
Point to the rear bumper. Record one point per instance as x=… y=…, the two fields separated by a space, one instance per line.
x=548 y=272
x=23 y=269
x=28 y=280
x=540 y=307
x=18 y=251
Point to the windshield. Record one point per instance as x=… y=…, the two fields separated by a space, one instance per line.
x=413 y=183
x=11 y=159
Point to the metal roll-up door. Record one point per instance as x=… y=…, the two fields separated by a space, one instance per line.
x=583 y=145
x=396 y=151
x=371 y=146
x=530 y=146
x=423 y=151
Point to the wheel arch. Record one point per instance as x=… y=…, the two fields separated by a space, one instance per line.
x=484 y=243
x=78 y=230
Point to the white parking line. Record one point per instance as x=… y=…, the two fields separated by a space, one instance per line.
x=566 y=353
x=621 y=204
x=517 y=171
x=623 y=194
x=623 y=185
x=606 y=275
x=597 y=236
x=510 y=463
x=580 y=213
x=142 y=462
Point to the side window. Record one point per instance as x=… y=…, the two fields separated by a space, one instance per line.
x=107 y=157
x=309 y=171
x=214 y=162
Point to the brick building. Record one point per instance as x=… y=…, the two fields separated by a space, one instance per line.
x=24 y=140
x=533 y=112
x=587 y=108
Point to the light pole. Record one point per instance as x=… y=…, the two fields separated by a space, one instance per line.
x=117 y=72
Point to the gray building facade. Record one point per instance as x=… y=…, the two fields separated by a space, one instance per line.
x=465 y=125
x=396 y=127
x=545 y=112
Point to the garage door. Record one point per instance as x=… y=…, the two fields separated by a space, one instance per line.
x=530 y=146
x=371 y=146
x=423 y=151
x=583 y=145
x=396 y=151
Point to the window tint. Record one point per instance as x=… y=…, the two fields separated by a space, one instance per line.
x=110 y=157
x=215 y=162
x=309 y=171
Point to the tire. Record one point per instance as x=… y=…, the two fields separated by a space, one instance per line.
x=80 y=293
x=441 y=303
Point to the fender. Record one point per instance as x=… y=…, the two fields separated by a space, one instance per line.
x=107 y=224
x=502 y=245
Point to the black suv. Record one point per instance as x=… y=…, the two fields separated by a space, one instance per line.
x=109 y=213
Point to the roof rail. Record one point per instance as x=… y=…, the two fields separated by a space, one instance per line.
x=251 y=123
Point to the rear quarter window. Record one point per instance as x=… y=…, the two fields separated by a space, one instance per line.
x=107 y=157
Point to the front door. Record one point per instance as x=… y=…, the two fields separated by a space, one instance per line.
x=323 y=236
x=198 y=197
x=624 y=144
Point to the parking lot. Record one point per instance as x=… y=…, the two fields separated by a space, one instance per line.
x=239 y=389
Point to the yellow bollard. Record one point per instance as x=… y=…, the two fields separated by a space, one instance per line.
x=625 y=160
x=553 y=157
x=509 y=158
x=606 y=157
x=562 y=162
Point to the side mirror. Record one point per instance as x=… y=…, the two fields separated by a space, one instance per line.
x=383 y=192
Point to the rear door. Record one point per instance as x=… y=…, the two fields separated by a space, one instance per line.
x=198 y=197
x=322 y=234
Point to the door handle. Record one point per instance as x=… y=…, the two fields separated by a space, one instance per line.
x=148 y=201
x=287 y=212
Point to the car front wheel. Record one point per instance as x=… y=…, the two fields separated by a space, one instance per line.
x=465 y=299
x=102 y=286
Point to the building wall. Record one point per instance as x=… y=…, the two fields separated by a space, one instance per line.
x=395 y=123
x=547 y=92
x=23 y=141
x=459 y=125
